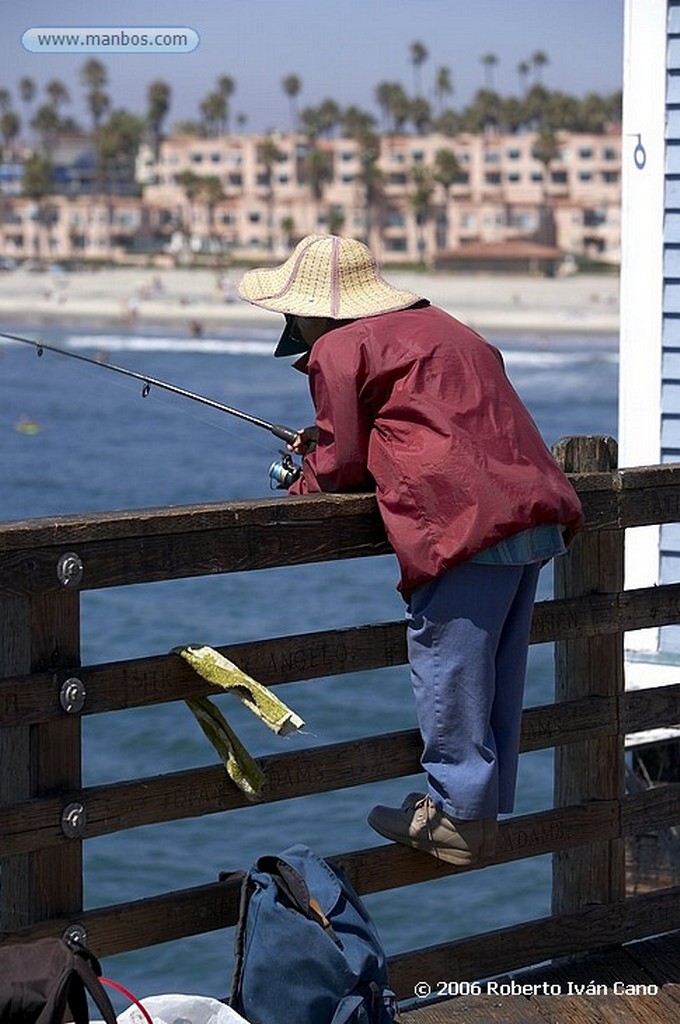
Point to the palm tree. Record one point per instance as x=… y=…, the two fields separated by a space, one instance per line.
x=537 y=102
x=94 y=77
x=539 y=59
x=383 y=93
x=447 y=169
x=330 y=115
x=268 y=153
x=36 y=183
x=58 y=93
x=214 y=112
x=226 y=87
x=419 y=54
x=158 y=98
x=190 y=183
x=523 y=69
x=287 y=225
x=420 y=114
x=356 y=122
x=118 y=140
x=489 y=60
x=336 y=220
x=485 y=114
x=46 y=125
x=27 y=91
x=10 y=126
x=446 y=172
x=371 y=178
x=318 y=171
x=98 y=103
x=421 y=204
x=443 y=86
x=449 y=123
x=394 y=104
x=212 y=194
x=546 y=148
x=292 y=85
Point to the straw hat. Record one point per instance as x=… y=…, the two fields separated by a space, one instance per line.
x=325 y=276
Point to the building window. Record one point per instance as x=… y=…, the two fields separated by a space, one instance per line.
x=492 y=156
x=396 y=244
x=610 y=177
x=394 y=219
x=254 y=217
x=397 y=178
x=585 y=153
x=417 y=156
x=216 y=157
x=559 y=177
x=585 y=176
x=514 y=154
x=196 y=158
x=593 y=218
x=492 y=178
x=235 y=180
x=609 y=153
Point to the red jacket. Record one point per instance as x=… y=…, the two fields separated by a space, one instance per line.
x=417 y=406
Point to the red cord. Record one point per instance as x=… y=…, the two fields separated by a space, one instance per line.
x=129 y=995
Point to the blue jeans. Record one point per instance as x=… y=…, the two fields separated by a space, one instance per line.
x=467 y=640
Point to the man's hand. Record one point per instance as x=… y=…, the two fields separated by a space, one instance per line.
x=305 y=441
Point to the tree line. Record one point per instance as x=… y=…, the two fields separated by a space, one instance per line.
x=422 y=110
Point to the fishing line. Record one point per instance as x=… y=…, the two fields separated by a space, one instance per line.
x=169 y=404
x=282 y=472
x=148 y=382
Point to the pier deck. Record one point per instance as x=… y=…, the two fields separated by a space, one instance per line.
x=626 y=981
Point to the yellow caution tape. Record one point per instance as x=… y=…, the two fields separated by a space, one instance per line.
x=242 y=769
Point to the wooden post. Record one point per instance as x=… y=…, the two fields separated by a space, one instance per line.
x=40 y=632
x=593 y=666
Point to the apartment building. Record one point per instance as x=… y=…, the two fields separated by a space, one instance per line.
x=405 y=200
x=501 y=193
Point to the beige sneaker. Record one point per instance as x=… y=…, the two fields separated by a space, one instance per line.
x=419 y=824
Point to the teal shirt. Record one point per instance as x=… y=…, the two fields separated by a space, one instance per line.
x=535 y=545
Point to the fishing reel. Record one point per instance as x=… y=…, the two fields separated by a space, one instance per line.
x=283 y=472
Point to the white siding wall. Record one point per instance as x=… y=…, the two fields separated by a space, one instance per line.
x=670 y=369
x=642 y=273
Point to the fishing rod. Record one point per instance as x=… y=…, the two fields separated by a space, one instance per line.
x=282 y=473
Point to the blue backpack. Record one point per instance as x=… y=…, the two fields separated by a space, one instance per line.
x=306 y=949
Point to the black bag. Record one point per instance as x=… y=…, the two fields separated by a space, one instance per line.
x=38 y=980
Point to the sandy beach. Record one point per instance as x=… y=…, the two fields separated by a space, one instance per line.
x=201 y=299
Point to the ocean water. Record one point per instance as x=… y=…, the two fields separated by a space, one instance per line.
x=76 y=438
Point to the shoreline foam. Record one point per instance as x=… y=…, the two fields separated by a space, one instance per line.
x=198 y=299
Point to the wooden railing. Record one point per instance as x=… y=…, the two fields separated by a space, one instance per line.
x=46 y=814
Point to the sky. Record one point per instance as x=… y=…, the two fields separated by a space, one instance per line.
x=337 y=49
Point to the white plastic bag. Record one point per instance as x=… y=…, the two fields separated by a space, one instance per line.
x=177 y=1008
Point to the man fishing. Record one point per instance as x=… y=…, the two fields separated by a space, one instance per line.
x=416 y=406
